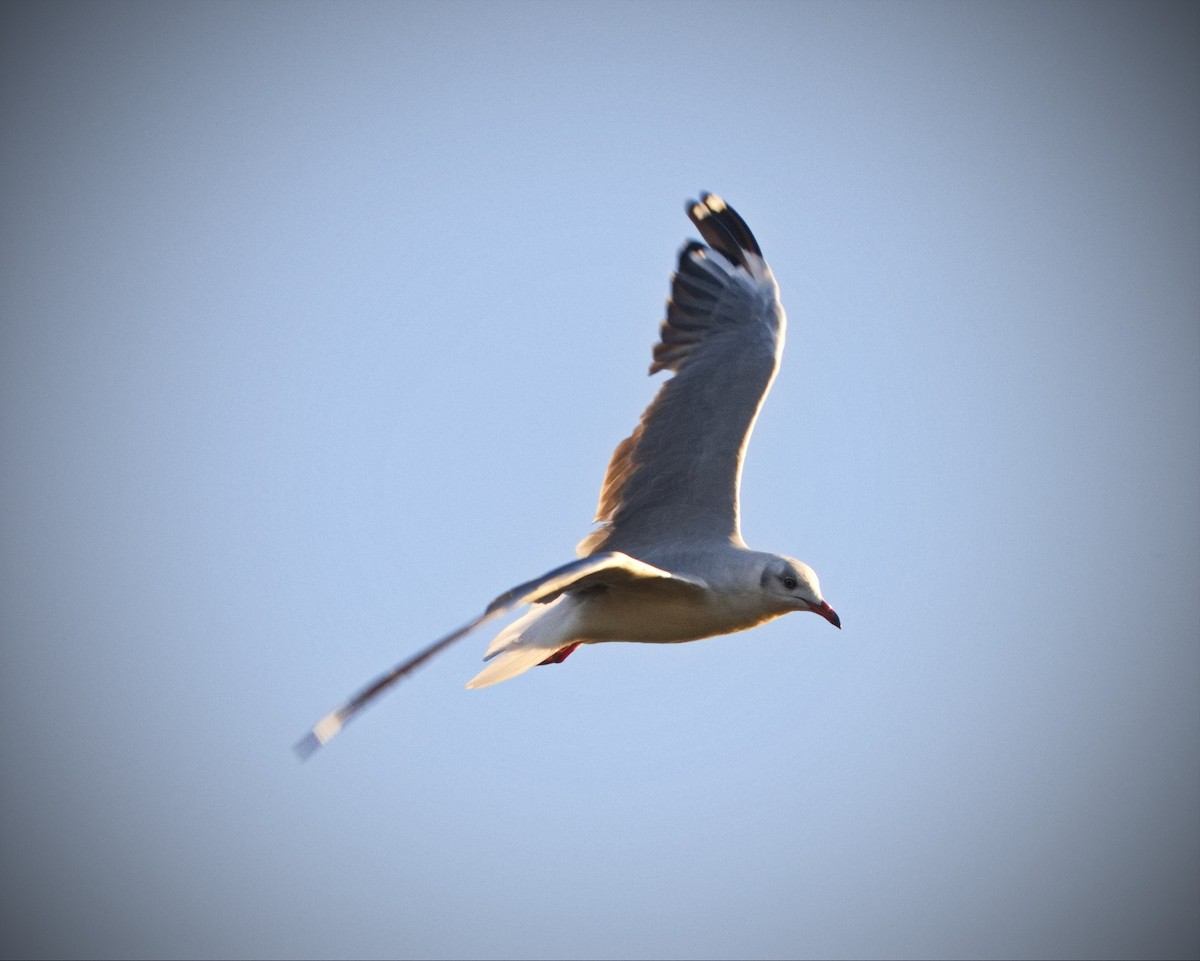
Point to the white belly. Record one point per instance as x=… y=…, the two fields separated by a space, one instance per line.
x=649 y=617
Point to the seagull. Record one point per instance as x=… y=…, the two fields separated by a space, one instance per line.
x=666 y=562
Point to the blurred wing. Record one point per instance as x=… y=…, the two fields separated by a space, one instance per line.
x=676 y=476
x=610 y=568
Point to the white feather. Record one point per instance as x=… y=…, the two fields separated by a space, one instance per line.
x=527 y=641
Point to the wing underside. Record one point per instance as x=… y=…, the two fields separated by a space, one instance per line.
x=678 y=473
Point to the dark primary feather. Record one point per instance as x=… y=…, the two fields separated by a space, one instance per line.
x=725 y=231
x=732 y=221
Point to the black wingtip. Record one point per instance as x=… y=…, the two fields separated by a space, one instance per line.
x=697 y=208
x=686 y=251
x=722 y=228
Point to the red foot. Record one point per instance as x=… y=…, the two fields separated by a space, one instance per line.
x=559 y=656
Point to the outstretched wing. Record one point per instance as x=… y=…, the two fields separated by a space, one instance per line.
x=610 y=568
x=676 y=477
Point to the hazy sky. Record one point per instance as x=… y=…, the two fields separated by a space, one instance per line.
x=319 y=325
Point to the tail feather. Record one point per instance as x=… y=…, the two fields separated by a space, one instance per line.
x=528 y=641
x=516 y=660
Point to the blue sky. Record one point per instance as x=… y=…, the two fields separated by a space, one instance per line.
x=319 y=325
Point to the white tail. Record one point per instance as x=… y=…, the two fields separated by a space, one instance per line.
x=527 y=641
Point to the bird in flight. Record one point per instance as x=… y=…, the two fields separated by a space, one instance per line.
x=666 y=562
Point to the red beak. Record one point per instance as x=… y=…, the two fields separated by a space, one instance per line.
x=829 y=614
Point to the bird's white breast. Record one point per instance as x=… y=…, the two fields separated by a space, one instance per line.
x=648 y=616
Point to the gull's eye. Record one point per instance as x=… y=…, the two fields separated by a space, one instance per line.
x=789 y=582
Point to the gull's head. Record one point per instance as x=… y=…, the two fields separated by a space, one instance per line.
x=794 y=585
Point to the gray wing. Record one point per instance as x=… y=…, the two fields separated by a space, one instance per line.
x=610 y=568
x=676 y=477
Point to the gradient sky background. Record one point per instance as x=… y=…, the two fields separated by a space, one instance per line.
x=320 y=323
